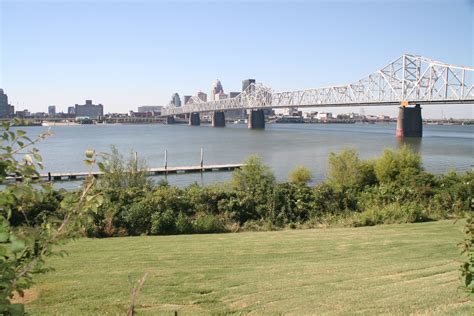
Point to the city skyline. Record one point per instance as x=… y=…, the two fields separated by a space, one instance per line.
x=61 y=62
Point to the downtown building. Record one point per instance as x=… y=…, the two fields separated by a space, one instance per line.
x=201 y=95
x=89 y=110
x=6 y=110
x=149 y=108
x=216 y=89
x=52 y=110
x=175 y=100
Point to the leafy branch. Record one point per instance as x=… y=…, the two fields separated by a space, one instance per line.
x=24 y=248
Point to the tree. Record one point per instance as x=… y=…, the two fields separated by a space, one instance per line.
x=300 y=175
x=398 y=166
x=254 y=183
x=347 y=171
x=24 y=248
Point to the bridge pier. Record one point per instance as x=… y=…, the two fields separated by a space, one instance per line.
x=256 y=119
x=218 y=119
x=169 y=120
x=194 y=119
x=409 y=122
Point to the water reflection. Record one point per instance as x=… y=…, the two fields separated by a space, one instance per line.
x=414 y=143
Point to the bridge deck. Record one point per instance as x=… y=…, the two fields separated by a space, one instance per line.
x=61 y=176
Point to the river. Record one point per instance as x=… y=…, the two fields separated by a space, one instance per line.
x=281 y=146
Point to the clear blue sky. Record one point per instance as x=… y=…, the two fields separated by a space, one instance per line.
x=129 y=53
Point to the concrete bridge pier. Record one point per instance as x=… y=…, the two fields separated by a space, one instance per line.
x=194 y=119
x=169 y=120
x=256 y=119
x=218 y=119
x=409 y=122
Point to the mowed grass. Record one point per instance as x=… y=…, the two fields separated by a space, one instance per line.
x=391 y=269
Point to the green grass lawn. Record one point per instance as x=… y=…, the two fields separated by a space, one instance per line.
x=387 y=269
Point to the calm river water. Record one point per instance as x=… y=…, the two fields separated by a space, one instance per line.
x=281 y=146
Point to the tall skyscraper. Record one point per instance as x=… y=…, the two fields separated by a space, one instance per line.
x=52 y=110
x=216 y=88
x=201 y=95
x=246 y=83
x=175 y=100
x=6 y=110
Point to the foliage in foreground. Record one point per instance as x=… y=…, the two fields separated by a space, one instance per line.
x=33 y=216
x=467 y=267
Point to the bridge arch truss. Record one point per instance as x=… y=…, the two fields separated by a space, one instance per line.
x=410 y=79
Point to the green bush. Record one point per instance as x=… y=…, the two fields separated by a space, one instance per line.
x=398 y=166
x=391 y=189
x=467 y=266
x=258 y=226
x=453 y=194
x=37 y=209
x=347 y=171
x=392 y=213
x=300 y=175
x=163 y=223
x=184 y=224
x=120 y=173
x=253 y=185
x=208 y=223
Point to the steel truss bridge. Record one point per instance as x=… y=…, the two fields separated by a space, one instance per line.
x=410 y=79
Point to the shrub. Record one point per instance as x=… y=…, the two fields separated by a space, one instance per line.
x=207 y=223
x=37 y=209
x=300 y=175
x=258 y=225
x=184 y=224
x=292 y=203
x=393 y=213
x=328 y=199
x=254 y=184
x=206 y=199
x=120 y=173
x=163 y=223
x=453 y=193
x=397 y=166
x=467 y=266
x=346 y=170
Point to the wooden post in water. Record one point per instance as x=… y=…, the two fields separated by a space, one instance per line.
x=202 y=157
x=136 y=162
x=49 y=176
x=166 y=159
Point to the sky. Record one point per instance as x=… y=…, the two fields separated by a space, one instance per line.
x=125 y=54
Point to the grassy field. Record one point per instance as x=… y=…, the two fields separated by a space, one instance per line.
x=394 y=269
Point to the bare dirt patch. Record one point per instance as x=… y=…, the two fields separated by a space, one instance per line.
x=28 y=297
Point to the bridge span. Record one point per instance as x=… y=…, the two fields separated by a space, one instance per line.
x=408 y=82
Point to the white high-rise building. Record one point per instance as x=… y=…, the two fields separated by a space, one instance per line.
x=216 y=88
x=175 y=100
